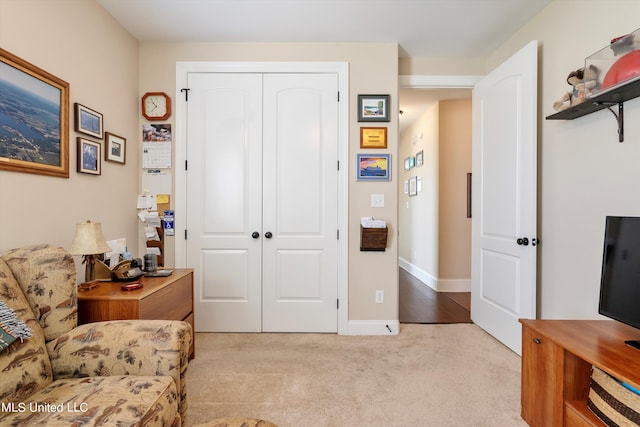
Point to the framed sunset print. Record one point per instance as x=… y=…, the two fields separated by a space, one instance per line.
x=374 y=167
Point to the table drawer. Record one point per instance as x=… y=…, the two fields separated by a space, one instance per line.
x=173 y=302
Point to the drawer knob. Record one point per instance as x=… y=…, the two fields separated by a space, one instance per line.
x=537 y=341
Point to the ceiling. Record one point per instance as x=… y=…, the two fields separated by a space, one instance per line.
x=422 y=28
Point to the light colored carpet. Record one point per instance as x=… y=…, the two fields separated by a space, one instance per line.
x=428 y=375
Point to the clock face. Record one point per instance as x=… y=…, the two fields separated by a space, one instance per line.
x=156 y=106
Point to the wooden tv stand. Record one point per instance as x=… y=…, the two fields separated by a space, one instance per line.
x=557 y=356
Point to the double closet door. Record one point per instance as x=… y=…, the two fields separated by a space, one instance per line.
x=262 y=201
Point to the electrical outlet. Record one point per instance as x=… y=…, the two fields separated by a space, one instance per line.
x=379 y=297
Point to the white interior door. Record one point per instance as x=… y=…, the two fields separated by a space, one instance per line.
x=300 y=203
x=504 y=190
x=262 y=201
x=224 y=200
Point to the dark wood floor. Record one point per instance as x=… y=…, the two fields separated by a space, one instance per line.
x=421 y=304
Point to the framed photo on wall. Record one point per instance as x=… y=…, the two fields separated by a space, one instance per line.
x=373 y=108
x=374 y=167
x=34 y=118
x=88 y=121
x=89 y=156
x=115 y=148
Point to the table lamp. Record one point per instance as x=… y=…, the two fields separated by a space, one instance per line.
x=89 y=242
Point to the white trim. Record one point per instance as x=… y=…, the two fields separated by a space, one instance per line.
x=438 y=82
x=438 y=285
x=342 y=69
x=374 y=327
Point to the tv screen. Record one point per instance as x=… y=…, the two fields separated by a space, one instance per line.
x=620 y=284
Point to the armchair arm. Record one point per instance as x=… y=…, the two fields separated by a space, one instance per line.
x=125 y=347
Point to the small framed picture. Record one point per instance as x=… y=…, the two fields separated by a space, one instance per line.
x=409 y=163
x=373 y=137
x=373 y=108
x=419 y=159
x=413 y=186
x=89 y=156
x=88 y=121
x=115 y=148
x=374 y=167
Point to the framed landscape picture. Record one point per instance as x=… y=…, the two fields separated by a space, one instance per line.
x=88 y=121
x=373 y=108
x=34 y=119
x=374 y=167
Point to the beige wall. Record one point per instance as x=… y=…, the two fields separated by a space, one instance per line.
x=435 y=235
x=80 y=43
x=372 y=70
x=584 y=174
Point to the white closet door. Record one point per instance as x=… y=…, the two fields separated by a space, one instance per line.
x=224 y=200
x=300 y=202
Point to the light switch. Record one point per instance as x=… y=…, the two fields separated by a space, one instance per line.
x=377 y=200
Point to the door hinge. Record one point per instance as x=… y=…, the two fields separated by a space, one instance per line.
x=185 y=234
x=338 y=96
x=338 y=164
x=338 y=304
x=186 y=93
x=186 y=165
x=337 y=234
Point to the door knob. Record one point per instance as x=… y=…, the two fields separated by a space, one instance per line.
x=255 y=234
x=523 y=241
x=268 y=235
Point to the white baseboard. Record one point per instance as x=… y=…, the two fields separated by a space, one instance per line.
x=374 y=327
x=440 y=285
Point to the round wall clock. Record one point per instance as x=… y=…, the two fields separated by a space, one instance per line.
x=156 y=106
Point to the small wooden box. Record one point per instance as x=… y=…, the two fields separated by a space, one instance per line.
x=373 y=239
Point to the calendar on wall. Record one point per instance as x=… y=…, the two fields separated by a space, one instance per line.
x=156 y=146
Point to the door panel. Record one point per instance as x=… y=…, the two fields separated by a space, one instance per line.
x=300 y=203
x=263 y=152
x=225 y=200
x=504 y=188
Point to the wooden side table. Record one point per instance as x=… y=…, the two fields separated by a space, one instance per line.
x=163 y=298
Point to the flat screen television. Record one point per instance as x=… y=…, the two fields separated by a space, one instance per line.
x=620 y=282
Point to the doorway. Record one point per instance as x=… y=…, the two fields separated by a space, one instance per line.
x=435 y=233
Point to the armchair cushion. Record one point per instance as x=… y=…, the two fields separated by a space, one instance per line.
x=141 y=401
x=125 y=347
x=24 y=366
x=47 y=276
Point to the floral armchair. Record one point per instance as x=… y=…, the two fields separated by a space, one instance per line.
x=107 y=373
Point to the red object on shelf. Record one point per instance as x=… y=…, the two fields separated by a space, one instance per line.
x=623 y=69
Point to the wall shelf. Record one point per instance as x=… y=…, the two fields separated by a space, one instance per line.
x=605 y=99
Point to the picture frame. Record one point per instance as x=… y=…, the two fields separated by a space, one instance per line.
x=373 y=167
x=409 y=163
x=89 y=156
x=413 y=186
x=88 y=121
x=419 y=158
x=373 y=137
x=373 y=108
x=41 y=100
x=115 y=148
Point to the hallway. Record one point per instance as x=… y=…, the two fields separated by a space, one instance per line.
x=421 y=304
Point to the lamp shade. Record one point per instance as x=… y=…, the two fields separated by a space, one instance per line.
x=89 y=239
